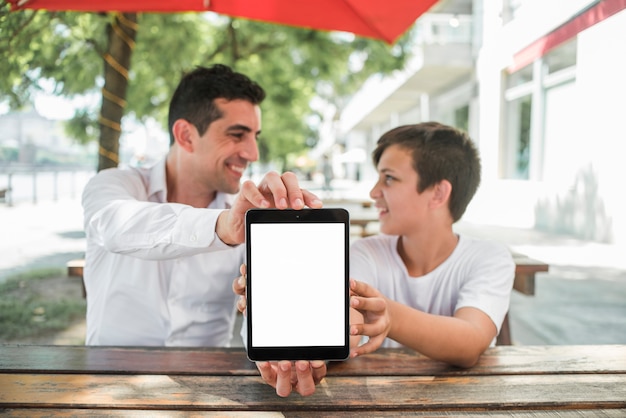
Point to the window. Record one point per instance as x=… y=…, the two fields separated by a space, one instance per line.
x=536 y=113
x=517 y=146
x=461 y=118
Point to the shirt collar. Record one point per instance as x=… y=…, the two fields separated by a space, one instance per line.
x=157 y=191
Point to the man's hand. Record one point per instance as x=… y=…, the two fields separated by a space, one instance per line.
x=285 y=376
x=239 y=288
x=370 y=303
x=274 y=191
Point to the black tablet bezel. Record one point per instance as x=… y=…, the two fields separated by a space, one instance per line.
x=331 y=215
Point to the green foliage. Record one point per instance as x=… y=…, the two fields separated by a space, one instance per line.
x=83 y=127
x=26 y=310
x=292 y=64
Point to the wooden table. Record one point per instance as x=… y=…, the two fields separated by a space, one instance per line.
x=537 y=381
x=362 y=213
x=525 y=270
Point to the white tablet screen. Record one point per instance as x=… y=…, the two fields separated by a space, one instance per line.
x=298 y=284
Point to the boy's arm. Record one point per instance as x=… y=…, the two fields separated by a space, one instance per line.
x=457 y=340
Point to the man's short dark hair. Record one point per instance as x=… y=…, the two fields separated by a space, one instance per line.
x=194 y=98
x=439 y=152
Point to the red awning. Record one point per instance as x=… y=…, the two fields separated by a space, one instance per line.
x=385 y=20
x=565 y=32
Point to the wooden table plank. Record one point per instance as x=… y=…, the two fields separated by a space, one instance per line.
x=240 y=393
x=227 y=362
x=496 y=360
x=154 y=360
x=131 y=413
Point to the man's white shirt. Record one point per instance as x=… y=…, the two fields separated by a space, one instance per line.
x=156 y=273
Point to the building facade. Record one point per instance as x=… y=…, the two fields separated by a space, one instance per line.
x=539 y=86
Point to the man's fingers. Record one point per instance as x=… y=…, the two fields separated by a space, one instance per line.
x=298 y=198
x=283 y=191
x=283 y=381
x=318 y=368
x=311 y=200
x=279 y=191
x=274 y=190
x=239 y=284
x=242 y=304
x=294 y=193
x=268 y=373
x=253 y=195
x=305 y=385
x=285 y=377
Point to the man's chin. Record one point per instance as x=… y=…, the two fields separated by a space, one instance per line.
x=232 y=188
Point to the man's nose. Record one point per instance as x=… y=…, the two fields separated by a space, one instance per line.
x=250 y=150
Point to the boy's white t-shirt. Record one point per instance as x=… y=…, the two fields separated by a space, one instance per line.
x=477 y=274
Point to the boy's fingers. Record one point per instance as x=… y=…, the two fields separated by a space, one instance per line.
x=372 y=304
x=363 y=289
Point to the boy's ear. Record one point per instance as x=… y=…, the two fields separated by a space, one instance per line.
x=183 y=132
x=441 y=195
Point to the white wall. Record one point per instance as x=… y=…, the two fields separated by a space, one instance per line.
x=601 y=82
x=581 y=187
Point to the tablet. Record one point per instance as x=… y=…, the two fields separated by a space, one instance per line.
x=297 y=284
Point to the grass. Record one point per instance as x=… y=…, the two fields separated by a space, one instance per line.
x=39 y=302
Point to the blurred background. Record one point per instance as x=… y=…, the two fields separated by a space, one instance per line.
x=537 y=84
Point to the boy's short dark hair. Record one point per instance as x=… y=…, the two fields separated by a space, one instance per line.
x=439 y=152
x=194 y=98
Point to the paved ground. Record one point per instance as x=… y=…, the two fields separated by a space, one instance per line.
x=582 y=300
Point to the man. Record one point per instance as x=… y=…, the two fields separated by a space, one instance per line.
x=163 y=242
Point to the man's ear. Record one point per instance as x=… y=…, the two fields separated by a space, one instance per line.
x=441 y=195
x=183 y=134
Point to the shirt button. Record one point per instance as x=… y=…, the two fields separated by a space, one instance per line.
x=193 y=238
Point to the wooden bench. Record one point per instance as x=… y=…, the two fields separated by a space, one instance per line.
x=365 y=204
x=524 y=282
x=525 y=270
x=362 y=223
x=75 y=269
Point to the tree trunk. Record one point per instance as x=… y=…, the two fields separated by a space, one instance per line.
x=121 y=41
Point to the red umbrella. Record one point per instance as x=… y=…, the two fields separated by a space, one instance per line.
x=378 y=19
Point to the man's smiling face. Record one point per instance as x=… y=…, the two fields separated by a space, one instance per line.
x=228 y=146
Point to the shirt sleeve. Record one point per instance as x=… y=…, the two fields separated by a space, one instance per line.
x=363 y=261
x=119 y=217
x=488 y=287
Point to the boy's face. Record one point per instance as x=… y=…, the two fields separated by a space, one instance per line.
x=401 y=208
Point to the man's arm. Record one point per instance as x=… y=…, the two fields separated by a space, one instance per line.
x=118 y=216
